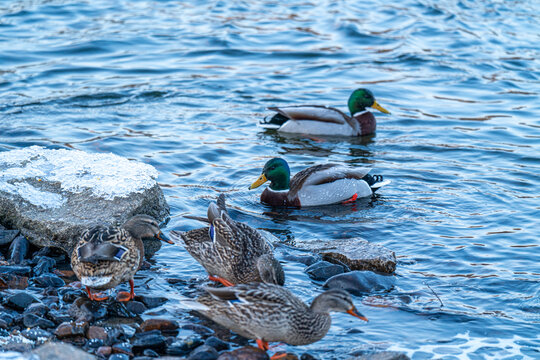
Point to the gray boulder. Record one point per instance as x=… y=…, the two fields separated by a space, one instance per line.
x=51 y=196
x=360 y=282
x=356 y=253
x=58 y=351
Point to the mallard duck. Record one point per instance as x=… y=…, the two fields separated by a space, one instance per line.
x=317 y=185
x=271 y=313
x=230 y=251
x=107 y=256
x=324 y=120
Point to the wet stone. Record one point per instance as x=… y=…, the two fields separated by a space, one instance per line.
x=119 y=333
x=12 y=281
x=104 y=351
x=84 y=309
x=151 y=301
x=306 y=356
x=203 y=352
x=37 y=309
x=136 y=307
x=44 y=265
x=122 y=348
x=74 y=328
x=49 y=280
x=199 y=329
x=148 y=340
x=383 y=355
x=286 y=356
x=118 y=309
x=307 y=260
x=7 y=236
x=31 y=321
x=69 y=295
x=96 y=332
x=323 y=270
x=51 y=301
x=58 y=317
x=21 y=300
x=360 y=282
x=245 y=353
x=59 y=351
x=16 y=269
x=36 y=334
x=119 y=357
x=150 y=353
x=18 y=249
x=163 y=325
x=217 y=344
x=94 y=343
x=184 y=347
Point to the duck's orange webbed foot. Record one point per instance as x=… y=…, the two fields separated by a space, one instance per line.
x=351 y=200
x=124 y=296
x=96 y=296
x=263 y=345
x=278 y=356
x=220 y=280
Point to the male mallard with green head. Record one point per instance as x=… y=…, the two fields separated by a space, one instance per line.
x=107 y=256
x=230 y=251
x=324 y=120
x=317 y=185
x=271 y=313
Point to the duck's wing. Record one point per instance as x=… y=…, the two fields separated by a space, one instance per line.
x=312 y=113
x=323 y=174
x=102 y=244
x=259 y=294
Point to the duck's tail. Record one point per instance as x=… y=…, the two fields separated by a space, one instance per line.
x=274 y=122
x=375 y=182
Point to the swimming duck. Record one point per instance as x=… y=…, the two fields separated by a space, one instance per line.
x=324 y=120
x=107 y=256
x=271 y=313
x=317 y=185
x=230 y=251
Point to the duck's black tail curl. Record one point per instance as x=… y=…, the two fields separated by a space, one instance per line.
x=277 y=119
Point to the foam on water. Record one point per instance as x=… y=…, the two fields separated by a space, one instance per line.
x=105 y=175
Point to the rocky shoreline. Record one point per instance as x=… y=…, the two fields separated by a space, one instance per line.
x=45 y=314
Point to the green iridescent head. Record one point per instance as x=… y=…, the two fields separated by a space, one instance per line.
x=360 y=99
x=277 y=171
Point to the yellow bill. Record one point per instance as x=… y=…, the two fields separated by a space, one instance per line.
x=379 y=107
x=261 y=180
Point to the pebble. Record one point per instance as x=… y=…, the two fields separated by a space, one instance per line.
x=49 y=280
x=18 y=249
x=22 y=270
x=36 y=309
x=217 y=344
x=12 y=281
x=7 y=236
x=36 y=334
x=150 y=353
x=58 y=317
x=21 y=300
x=69 y=295
x=32 y=320
x=119 y=357
x=323 y=270
x=162 y=325
x=96 y=332
x=360 y=282
x=151 y=301
x=245 y=353
x=199 y=329
x=184 y=347
x=303 y=259
x=68 y=329
x=148 y=340
x=306 y=356
x=286 y=356
x=44 y=265
x=104 y=351
x=94 y=343
x=203 y=352
x=136 y=307
x=84 y=309
x=6 y=320
x=118 y=309
x=122 y=348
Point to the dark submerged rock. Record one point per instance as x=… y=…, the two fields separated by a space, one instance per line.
x=323 y=270
x=44 y=265
x=217 y=344
x=203 y=352
x=36 y=334
x=360 y=282
x=307 y=260
x=151 y=301
x=245 y=353
x=20 y=301
x=7 y=236
x=18 y=249
x=49 y=280
x=136 y=307
x=15 y=269
x=148 y=340
x=31 y=321
x=184 y=347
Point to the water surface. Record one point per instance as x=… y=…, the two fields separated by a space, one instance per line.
x=182 y=86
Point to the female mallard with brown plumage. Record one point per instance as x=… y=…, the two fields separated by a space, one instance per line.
x=271 y=313
x=324 y=120
x=317 y=185
x=230 y=251
x=107 y=256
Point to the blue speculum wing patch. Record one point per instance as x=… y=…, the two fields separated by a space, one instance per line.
x=211 y=232
x=120 y=253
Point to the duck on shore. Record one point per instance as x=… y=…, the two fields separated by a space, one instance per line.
x=317 y=185
x=107 y=256
x=324 y=120
x=230 y=251
x=271 y=313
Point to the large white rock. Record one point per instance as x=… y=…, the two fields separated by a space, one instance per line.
x=53 y=195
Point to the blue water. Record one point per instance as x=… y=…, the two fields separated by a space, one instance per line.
x=182 y=86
